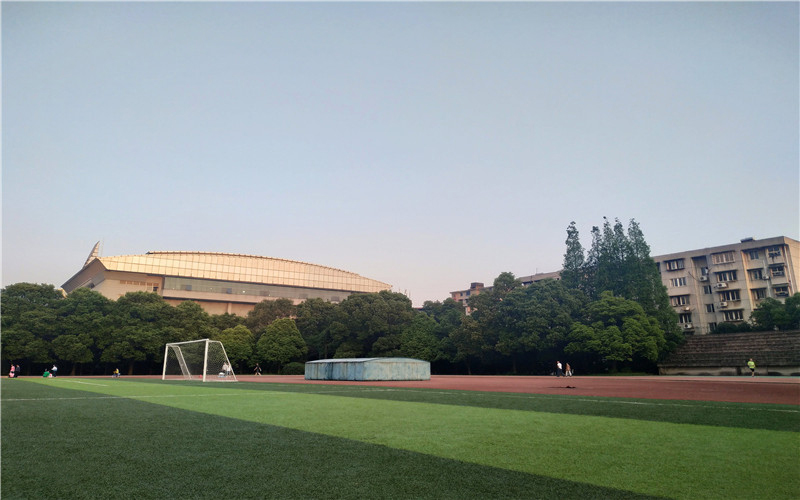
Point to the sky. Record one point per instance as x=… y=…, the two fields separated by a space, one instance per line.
x=425 y=145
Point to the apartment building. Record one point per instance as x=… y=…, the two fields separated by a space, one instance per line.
x=712 y=285
x=726 y=283
x=475 y=288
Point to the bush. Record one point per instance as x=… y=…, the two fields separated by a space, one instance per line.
x=294 y=368
x=729 y=327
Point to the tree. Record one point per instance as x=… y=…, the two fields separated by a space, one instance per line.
x=372 y=323
x=615 y=330
x=314 y=319
x=467 y=342
x=536 y=321
x=227 y=320
x=22 y=297
x=142 y=326
x=266 y=312
x=83 y=320
x=191 y=322
x=28 y=323
x=574 y=260
x=281 y=343
x=772 y=314
x=419 y=340
x=239 y=343
x=621 y=263
x=490 y=313
x=74 y=349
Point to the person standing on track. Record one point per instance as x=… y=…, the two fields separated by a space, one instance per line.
x=559 y=371
x=752 y=365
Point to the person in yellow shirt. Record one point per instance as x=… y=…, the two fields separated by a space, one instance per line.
x=752 y=365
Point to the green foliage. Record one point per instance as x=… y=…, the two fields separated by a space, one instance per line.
x=280 y=343
x=616 y=330
x=772 y=314
x=294 y=368
x=239 y=343
x=314 y=320
x=370 y=324
x=574 y=260
x=419 y=340
x=267 y=311
x=731 y=327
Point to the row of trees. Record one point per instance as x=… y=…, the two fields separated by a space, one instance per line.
x=609 y=311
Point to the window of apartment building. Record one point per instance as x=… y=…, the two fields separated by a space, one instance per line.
x=756 y=274
x=729 y=295
x=777 y=271
x=737 y=315
x=707 y=289
x=726 y=276
x=712 y=327
x=722 y=258
x=759 y=293
x=709 y=308
x=704 y=271
x=753 y=254
x=685 y=318
x=774 y=252
x=677 y=282
x=674 y=265
x=679 y=300
x=781 y=291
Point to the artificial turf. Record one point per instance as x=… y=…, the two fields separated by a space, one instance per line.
x=66 y=439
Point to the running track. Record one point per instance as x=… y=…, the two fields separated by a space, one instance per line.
x=778 y=390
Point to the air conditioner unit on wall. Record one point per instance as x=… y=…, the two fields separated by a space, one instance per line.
x=687 y=308
x=688 y=326
x=723 y=304
x=721 y=285
x=703 y=278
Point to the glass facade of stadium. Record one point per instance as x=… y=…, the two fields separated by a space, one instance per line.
x=219 y=282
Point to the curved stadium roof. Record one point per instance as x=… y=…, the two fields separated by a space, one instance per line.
x=241 y=268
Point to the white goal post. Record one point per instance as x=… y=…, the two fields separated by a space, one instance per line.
x=202 y=359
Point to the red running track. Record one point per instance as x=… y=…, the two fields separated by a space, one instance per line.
x=777 y=390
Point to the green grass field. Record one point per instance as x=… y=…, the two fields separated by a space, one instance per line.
x=104 y=438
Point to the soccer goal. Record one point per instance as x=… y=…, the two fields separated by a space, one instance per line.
x=203 y=359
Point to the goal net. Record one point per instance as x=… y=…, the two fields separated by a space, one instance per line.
x=204 y=360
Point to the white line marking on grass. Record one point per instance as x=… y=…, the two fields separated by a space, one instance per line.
x=86 y=383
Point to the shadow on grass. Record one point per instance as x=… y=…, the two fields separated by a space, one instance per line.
x=739 y=415
x=110 y=447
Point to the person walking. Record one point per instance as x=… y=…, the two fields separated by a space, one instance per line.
x=17 y=371
x=257 y=369
x=11 y=372
x=752 y=365
x=54 y=370
x=559 y=371
x=568 y=373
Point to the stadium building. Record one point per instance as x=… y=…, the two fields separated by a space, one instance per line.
x=219 y=282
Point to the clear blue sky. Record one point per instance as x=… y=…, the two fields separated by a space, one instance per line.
x=426 y=145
